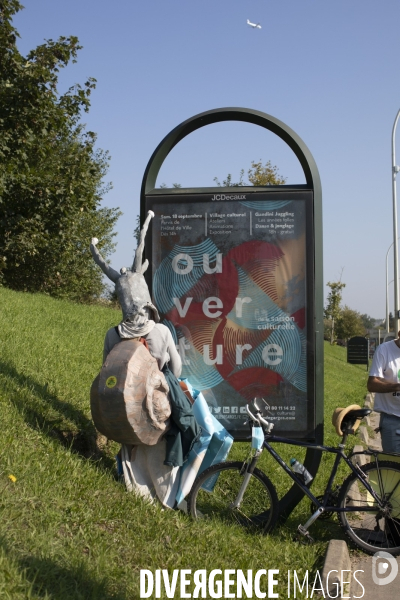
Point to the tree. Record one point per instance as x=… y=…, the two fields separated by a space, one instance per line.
x=391 y=322
x=228 y=181
x=332 y=310
x=258 y=175
x=327 y=329
x=368 y=322
x=349 y=324
x=51 y=175
x=174 y=185
x=263 y=175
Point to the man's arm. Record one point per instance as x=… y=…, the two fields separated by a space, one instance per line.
x=379 y=385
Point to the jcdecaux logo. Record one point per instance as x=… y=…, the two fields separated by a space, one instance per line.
x=222 y=197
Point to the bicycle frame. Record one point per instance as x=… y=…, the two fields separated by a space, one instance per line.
x=322 y=506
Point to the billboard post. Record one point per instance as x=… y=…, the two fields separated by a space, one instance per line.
x=236 y=274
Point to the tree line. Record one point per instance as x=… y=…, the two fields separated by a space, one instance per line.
x=52 y=176
x=341 y=322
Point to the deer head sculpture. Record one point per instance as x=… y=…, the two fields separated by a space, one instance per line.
x=130 y=284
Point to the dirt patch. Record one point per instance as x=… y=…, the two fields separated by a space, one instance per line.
x=87 y=445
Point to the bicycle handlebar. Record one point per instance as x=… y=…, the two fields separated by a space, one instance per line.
x=267 y=426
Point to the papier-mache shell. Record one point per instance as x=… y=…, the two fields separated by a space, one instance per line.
x=129 y=398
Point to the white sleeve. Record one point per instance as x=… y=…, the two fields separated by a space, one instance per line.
x=378 y=364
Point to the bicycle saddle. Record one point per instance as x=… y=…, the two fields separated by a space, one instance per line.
x=345 y=419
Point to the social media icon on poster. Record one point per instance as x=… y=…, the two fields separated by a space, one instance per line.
x=243 y=410
x=234 y=409
x=384 y=568
x=226 y=409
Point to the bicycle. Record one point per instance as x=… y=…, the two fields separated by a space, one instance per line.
x=367 y=503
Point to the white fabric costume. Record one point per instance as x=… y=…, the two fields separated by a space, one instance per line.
x=143 y=466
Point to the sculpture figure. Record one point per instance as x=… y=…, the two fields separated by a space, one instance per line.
x=131 y=288
x=130 y=398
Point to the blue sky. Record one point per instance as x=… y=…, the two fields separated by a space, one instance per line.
x=329 y=70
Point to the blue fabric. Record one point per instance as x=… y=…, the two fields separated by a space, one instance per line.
x=390 y=425
x=212 y=447
x=257 y=438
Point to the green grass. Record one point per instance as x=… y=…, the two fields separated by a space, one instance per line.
x=68 y=528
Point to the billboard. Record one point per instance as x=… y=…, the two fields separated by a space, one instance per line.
x=232 y=279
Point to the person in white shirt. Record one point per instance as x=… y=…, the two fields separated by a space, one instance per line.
x=384 y=382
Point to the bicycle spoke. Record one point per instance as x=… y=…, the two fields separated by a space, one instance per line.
x=373 y=526
x=259 y=506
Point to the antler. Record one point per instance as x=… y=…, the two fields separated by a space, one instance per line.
x=137 y=266
x=99 y=260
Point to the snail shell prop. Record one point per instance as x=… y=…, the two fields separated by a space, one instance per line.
x=129 y=398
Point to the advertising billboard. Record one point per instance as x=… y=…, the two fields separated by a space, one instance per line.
x=232 y=279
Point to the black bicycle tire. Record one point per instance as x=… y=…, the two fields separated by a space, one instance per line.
x=350 y=530
x=267 y=519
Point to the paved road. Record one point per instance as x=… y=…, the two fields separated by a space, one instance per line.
x=373 y=590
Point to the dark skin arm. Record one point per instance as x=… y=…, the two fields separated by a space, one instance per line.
x=379 y=385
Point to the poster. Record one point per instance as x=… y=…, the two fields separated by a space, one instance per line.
x=232 y=280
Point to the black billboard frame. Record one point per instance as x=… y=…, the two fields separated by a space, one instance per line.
x=313 y=184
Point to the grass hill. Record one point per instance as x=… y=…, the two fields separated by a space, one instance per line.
x=68 y=528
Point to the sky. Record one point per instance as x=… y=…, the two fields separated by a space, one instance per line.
x=328 y=70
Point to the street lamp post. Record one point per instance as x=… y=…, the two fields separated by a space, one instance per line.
x=387 y=288
x=395 y=170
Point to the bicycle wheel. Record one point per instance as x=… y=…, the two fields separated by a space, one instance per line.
x=377 y=528
x=215 y=490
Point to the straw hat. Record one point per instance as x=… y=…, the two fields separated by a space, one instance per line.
x=340 y=413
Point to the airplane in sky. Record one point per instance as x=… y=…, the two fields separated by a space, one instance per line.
x=254 y=25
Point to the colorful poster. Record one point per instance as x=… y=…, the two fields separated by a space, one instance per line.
x=232 y=280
